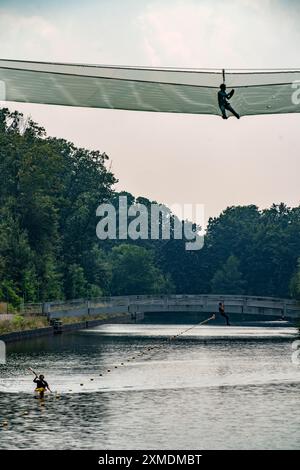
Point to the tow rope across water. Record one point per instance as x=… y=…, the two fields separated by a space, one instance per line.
x=146 y=351
x=141 y=353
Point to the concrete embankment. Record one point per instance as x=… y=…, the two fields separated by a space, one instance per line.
x=27 y=334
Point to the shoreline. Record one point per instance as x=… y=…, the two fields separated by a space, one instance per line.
x=65 y=328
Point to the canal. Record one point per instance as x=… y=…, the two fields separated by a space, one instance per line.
x=215 y=387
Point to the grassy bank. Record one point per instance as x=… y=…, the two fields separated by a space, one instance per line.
x=20 y=323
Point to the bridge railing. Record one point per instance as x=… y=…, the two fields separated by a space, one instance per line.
x=83 y=306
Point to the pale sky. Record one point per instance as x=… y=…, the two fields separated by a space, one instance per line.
x=171 y=158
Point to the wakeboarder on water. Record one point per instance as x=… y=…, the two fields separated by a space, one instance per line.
x=41 y=384
x=222 y=312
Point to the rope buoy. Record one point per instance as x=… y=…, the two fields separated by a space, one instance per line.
x=151 y=348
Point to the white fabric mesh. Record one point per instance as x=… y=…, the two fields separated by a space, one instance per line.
x=149 y=89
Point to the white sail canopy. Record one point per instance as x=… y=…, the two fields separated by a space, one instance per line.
x=149 y=89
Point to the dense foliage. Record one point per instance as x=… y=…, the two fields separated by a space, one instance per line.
x=49 y=192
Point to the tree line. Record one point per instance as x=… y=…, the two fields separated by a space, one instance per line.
x=49 y=192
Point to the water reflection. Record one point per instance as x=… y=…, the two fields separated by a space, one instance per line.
x=213 y=390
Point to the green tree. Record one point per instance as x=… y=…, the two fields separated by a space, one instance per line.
x=76 y=284
x=228 y=279
x=295 y=283
x=49 y=191
x=135 y=273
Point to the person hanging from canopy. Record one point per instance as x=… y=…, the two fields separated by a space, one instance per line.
x=224 y=104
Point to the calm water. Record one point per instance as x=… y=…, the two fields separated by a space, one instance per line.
x=213 y=388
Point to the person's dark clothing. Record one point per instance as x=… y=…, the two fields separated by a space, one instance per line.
x=222 y=312
x=40 y=383
x=224 y=104
x=222 y=98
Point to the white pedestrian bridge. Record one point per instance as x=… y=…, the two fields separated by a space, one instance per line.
x=161 y=304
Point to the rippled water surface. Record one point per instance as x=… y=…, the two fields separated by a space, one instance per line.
x=214 y=387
